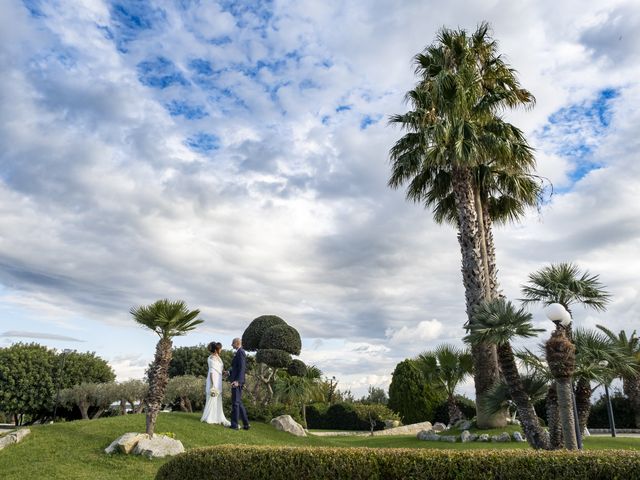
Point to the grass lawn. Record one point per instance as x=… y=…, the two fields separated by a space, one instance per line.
x=74 y=450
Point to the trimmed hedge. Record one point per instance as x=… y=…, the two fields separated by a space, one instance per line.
x=281 y=337
x=297 y=368
x=285 y=463
x=347 y=416
x=273 y=358
x=254 y=332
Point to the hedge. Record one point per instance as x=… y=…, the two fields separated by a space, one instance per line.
x=281 y=337
x=286 y=463
x=347 y=416
x=254 y=332
x=273 y=358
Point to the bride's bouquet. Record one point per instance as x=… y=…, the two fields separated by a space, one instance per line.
x=214 y=392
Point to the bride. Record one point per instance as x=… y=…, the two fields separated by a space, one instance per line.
x=213 y=408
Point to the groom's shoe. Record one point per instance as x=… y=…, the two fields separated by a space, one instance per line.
x=246 y=427
x=234 y=428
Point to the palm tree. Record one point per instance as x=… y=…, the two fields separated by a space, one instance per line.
x=499 y=322
x=452 y=129
x=630 y=345
x=299 y=390
x=446 y=367
x=167 y=319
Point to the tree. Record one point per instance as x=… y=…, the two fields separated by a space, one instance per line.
x=186 y=389
x=409 y=395
x=499 y=322
x=630 y=345
x=446 y=367
x=167 y=319
x=452 y=131
x=81 y=367
x=299 y=389
x=375 y=395
x=132 y=392
x=85 y=396
x=26 y=383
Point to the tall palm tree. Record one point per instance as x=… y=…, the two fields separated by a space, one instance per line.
x=446 y=367
x=630 y=345
x=452 y=129
x=299 y=390
x=167 y=319
x=499 y=322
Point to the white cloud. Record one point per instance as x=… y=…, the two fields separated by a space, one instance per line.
x=424 y=331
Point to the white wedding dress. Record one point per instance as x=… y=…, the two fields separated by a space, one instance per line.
x=213 y=408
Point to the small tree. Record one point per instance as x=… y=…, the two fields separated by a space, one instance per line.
x=375 y=395
x=187 y=389
x=132 y=392
x=85 y=396
x=409 y=395
x=167 y=319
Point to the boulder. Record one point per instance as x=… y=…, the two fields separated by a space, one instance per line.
x=483 y=438
x=463 y=424
x=448 y=438
x=412 y=429
x=126 y=443
x=428 y=435
x=466 y=436
x=289 y=425
x=158 y=446
x=503 y=437
x=439 y=427
x=517 y=436
x=13 y=437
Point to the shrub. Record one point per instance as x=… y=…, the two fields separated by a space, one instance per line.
x=282 y=337
x=265 y=413
x=285 y=463
x=348 y=416
x=297 y=368
x=254 y=332
x=409 y=394
x=441 y=409
x=273 y=358
x=317 y=416
x=622 y=412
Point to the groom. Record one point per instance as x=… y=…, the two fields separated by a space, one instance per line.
x=236 y=377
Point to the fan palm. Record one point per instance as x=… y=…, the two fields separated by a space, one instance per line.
x=630 y=345
x=300 y=390
x=452 y=129
x=446 y=367
x=167 y=319
x=499 y=322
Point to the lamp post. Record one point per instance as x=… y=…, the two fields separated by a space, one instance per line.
x=65 y=352
x=612 y=423
x=559 y=315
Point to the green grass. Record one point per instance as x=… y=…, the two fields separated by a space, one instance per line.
x=74 y=450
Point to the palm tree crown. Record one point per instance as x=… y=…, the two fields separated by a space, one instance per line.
x=446 y=366
x=167 y=318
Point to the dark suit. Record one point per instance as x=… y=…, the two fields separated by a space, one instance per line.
x=238 y=369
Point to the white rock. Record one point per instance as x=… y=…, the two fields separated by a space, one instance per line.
x=428 y=435
x=13 y=437
x=466 y=436
x=483 y=438
x=289 y=425
x=158 y=446
x=463 y=424
x=448 y=438
x=439 y=427
x=125 y=443
x=411 y=429
x=517 y=436
x=391 y=423
x=503 y=437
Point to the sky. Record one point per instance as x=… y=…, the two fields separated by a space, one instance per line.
x=235 y=155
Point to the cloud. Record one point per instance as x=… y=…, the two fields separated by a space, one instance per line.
x=38 y=335
x=426 y=330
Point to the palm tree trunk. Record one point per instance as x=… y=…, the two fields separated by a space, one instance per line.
x=455 y=413
x=485 y=359
x=536 y=436
x=492 y=265
x=483 y=241
x=553 y=418
x=158 y=379
x=565 y=409
x=583 y=401
x=631 y=388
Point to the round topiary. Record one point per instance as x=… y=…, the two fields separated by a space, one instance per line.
x=273 y=358
x=297 y=368
x=282 y=337
x=254 y=332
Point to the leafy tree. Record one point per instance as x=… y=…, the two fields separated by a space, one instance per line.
x=299 y=390
x=498 y=322
x=81 y=367
x=375 y=395
x=457 y=155
x=409 y=394
x=254 y=332
x=167 y=319
x=186 y=389
x=26 y=383
x=446 y=367
x=88 y=395
x=132 y=392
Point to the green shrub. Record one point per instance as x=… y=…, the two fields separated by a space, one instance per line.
x=273 y=358
x=282 y=337
x=409 y=394
x=265 y=413
x=297 y=368
x=348 y=416
x=441 y=409
x=285 y=463
x=317 y=416
x=254 y=332
x=622 y=412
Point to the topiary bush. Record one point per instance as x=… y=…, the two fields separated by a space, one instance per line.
x=281 y=337
x=410 y=396
x=273 y=358
x=348 y=416
x=297 y=368
x=285 y=463
x=254 y=332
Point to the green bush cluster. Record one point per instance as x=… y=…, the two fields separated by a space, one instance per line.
x=265 y=413
x=410 y=395
x=275 y=463
x=282 y=337
x=622 y=412
x=297 y=368
x=441 y=409
x=273 y=358
x=255 y=331
x=348 y=416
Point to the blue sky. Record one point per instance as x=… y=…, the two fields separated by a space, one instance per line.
x=234 y=154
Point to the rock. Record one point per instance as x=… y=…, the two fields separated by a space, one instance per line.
x=439 y=427
x=289 y=425
x=466 y=436
x=391 y=423
x=448 y=438
x=158 y=446
x=483 y=438
x=125 y=443
x=13 y=437
x=503 y=437
x=517 y=436
x=463 y=424
x=412 y=429
x=428 y=435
